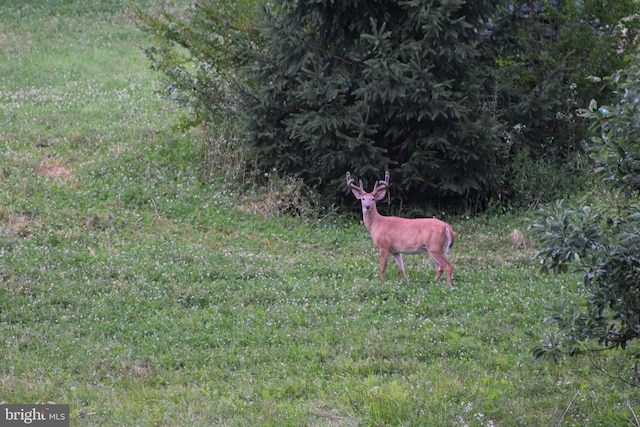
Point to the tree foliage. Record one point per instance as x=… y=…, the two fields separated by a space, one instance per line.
x=547 y=54
x=371 y=86
x=600 y=235
x=550 y=59
x=198 y=55
x=464 y=102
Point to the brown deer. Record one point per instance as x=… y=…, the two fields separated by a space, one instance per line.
x=398 y=236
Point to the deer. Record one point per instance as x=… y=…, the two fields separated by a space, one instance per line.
x=396 y=236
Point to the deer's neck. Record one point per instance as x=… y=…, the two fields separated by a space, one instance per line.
x=370 y=217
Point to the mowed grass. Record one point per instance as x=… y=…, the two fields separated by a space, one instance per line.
x=140 y=292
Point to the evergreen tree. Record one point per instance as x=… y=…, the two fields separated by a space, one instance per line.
x=369 y=86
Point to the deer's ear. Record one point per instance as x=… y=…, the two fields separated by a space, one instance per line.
x=380 y=193
x=358 y=192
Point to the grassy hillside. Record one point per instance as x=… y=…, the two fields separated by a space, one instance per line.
x=142 y=294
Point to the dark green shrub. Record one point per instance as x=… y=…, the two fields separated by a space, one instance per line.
x=599 y=235
x=547 y=56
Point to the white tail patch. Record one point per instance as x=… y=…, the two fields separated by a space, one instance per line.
x=448 y=242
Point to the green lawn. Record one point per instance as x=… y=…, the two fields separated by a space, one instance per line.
x=140 y=292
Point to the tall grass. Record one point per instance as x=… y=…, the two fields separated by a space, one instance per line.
x=141 y=294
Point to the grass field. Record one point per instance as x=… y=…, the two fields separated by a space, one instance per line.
x=140 y=293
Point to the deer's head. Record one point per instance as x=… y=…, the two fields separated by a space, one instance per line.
x=368 y=200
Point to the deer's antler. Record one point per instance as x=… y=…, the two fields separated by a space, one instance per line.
x=351 y=184
x=382 y=184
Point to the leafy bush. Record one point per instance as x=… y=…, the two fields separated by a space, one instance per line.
x=600 y=235
x=198 y=56
x=602 y=242
x=616 y=149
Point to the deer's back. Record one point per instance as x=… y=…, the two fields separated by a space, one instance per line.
x=406 y=235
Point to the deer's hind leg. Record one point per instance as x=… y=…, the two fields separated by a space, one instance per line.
x=442 y=264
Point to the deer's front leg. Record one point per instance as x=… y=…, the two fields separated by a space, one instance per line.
x=398 y=259
x=384 y=255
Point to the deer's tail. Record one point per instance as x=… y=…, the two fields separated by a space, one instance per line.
x=450 y=238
